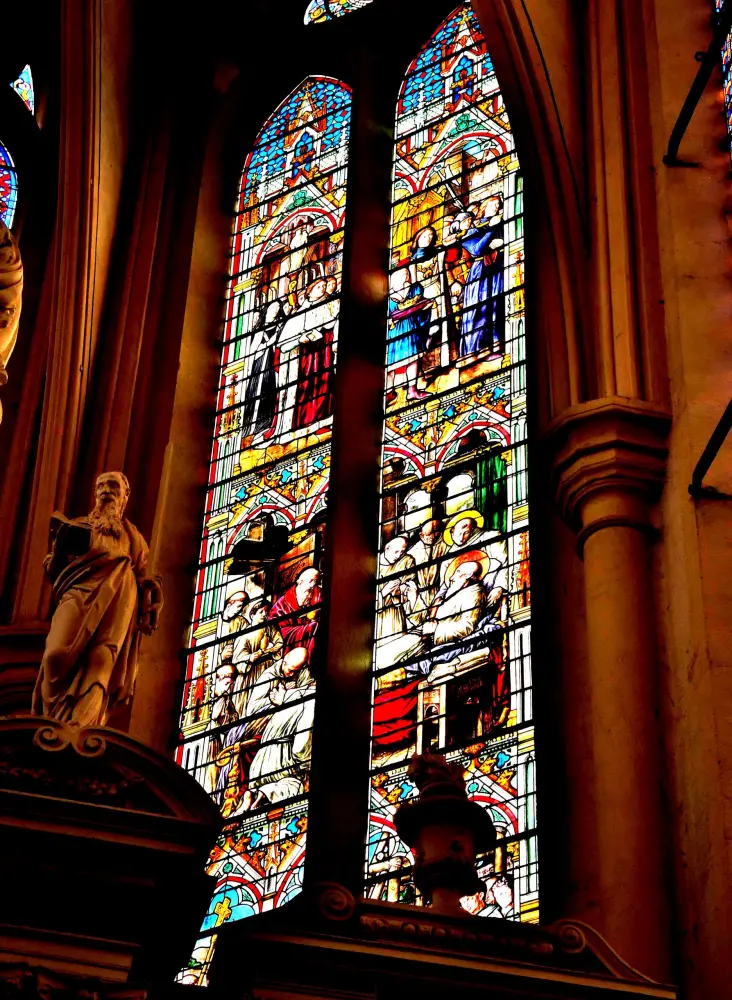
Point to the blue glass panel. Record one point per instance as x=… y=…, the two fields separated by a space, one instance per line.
x=23 y=87
x=326 y=10
x=8 y=187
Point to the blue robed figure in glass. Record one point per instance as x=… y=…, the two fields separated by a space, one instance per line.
x=407 y=333
x=483 y=307
x=409 y=320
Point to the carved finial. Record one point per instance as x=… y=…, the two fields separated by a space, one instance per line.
x=11 y=295
x=446 y=831
x=433 y=775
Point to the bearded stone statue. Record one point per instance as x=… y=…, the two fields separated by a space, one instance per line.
x=104 y=603
x=11 y=293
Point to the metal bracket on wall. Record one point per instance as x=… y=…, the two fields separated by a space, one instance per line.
x=709 y=60
x=697 y=490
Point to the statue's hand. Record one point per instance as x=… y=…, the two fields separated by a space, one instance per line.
x=151 y=604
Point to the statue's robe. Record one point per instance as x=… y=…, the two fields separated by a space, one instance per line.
x=96 y=597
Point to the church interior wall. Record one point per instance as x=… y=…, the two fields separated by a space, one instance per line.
x=693 y=552
x=177 y=176
x=153 y=718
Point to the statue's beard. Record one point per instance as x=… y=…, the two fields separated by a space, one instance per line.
x=107 y=519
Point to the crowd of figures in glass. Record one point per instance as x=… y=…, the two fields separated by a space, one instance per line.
x=452 y=653
x=8 y=187
x=249 y=695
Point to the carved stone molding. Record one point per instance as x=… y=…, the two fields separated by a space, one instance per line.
x=575 y=938
x=374 y=938
x=418 y=930
x=567 y=944
x=19 y=981
x=609 y=462
x=97 y=764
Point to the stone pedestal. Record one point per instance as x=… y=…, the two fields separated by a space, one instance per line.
x=102 y=851
x=327 y=943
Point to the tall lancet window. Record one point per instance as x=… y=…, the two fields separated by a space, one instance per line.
x=249 y=695
x=8 y=187
x=452 y=663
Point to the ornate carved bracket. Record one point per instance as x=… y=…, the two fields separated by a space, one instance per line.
x=53 y=735
x=112 y=828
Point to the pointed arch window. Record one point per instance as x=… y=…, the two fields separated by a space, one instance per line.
x=8 y=187
x=452 y=662
x=326 y=10
x=248 y=701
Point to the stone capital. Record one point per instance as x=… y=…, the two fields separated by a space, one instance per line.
x=609 y=463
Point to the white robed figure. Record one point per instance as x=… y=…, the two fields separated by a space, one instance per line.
x=279 y=766
x=315 y=321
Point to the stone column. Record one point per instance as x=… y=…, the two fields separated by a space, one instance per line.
x=609 y=465
x=93 y=97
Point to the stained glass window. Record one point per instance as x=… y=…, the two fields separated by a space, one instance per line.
x=23 y=87
x=249 y=692
x=8 y=187
x=452 y=659
x=726 y=71
x=326 y=10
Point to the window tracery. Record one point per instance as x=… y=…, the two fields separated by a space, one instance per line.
x=23 y=87
x=325 y=10
x=452 y=662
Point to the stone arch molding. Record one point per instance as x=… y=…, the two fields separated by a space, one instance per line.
x=536 y=105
